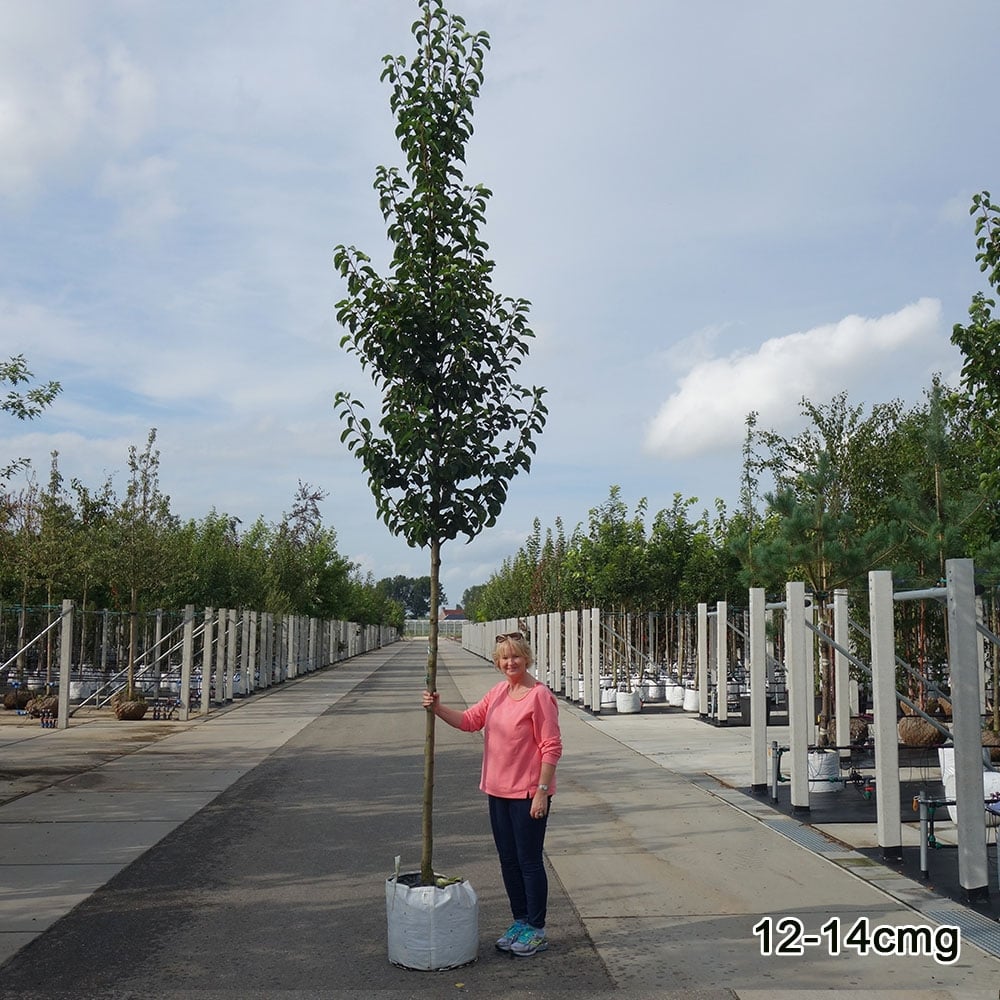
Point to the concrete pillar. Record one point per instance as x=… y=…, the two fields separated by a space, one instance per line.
x=291 y=637
x=207 y=650
x=593 y=653
x=801 y=697
x=841 y=669
x=703 y=679
x=722 y=661
x=222 y=693
x=65 y=664
x=231 y=662
x=967 y=709
x=556 y=673
x=246 y=667
x=252 y=666
x=758 y=691
x=187 y=662
x=883 y=642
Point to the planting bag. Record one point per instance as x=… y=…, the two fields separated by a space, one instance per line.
x=431 y=927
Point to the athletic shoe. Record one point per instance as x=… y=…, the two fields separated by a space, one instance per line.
x=530 y=940
x=510 y=935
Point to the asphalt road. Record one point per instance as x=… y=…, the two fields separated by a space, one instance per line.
x=277 y=888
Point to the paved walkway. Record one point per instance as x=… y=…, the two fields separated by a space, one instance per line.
x=245 y=856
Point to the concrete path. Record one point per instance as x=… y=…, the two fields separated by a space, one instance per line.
x=245 y=855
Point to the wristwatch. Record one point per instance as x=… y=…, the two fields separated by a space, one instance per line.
x=543 y=788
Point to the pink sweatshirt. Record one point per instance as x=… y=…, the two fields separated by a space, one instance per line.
x=519 y=736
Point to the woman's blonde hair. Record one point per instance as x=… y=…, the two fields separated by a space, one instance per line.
x=517 y=644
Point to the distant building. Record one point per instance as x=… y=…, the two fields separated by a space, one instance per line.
x=449 y=624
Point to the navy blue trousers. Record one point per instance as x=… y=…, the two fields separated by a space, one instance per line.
x=520 y=840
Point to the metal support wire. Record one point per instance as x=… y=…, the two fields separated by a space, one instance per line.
x=861 y=665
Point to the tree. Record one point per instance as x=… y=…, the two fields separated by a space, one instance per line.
x=979 y=342
x=141 y=527
x=413 y=593
x=440 y=345
x=24 y=405
x=817 y=535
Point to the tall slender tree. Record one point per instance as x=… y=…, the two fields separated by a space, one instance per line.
x=440 y=345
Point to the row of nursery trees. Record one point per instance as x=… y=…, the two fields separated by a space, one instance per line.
x=127 y=551
x=898 y=488
x=895 y=488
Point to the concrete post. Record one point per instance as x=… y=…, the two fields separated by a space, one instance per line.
x=841 y=669
x=883 y=641
x=703 y=660
x=246 y=655
x=253 y=653
x=207 y=641
x=722 y=662
x=555 y=652
x=187 y=658
x=571 y=625
x=967 y=735
x=231 y=655
x=221 y=687
x=291 y=638
x=540 y=644
x=758 y=691
x=65 y=664
x=799 y=677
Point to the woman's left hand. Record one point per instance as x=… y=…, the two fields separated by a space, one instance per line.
x=539 y=805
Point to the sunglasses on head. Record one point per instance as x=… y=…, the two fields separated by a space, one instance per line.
x=510 y=635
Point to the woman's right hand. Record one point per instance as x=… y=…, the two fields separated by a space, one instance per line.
x=431 y=699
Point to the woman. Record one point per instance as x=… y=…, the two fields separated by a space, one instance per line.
x=520 y=722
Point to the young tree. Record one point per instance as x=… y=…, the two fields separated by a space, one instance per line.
x=817 y=536
x=141 y=530
x=978 y=343
x=440 y=345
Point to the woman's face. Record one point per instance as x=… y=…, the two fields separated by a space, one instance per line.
x=511 y=663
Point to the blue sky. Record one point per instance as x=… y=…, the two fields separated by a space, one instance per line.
x=712 y=207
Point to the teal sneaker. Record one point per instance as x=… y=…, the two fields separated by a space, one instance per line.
x=510 y=935
x=529 y=941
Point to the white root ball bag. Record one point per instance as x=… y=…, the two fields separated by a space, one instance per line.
x=431 y=927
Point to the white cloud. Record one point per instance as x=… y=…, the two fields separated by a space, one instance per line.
x=63 y=102
x=143 y=193
x=707 y=412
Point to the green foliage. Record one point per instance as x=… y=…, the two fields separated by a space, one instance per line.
x=104 y=550
x=617 y=562
x=25 y=405
x=979 y=343
x=440 y=345
x=413 y=594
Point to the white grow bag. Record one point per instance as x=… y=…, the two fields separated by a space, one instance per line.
x=431 y=927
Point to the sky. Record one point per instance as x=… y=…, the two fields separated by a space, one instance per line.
x=713 y=208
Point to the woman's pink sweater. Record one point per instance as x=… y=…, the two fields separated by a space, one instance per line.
x=518 y=737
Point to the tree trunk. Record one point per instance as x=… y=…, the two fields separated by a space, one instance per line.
x=133 y=642
x=426 y=858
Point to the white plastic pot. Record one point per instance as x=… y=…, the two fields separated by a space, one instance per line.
x=431 y=927
x=628 y=702
x=654 y=691
x=823 y=769
x=690 y=703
